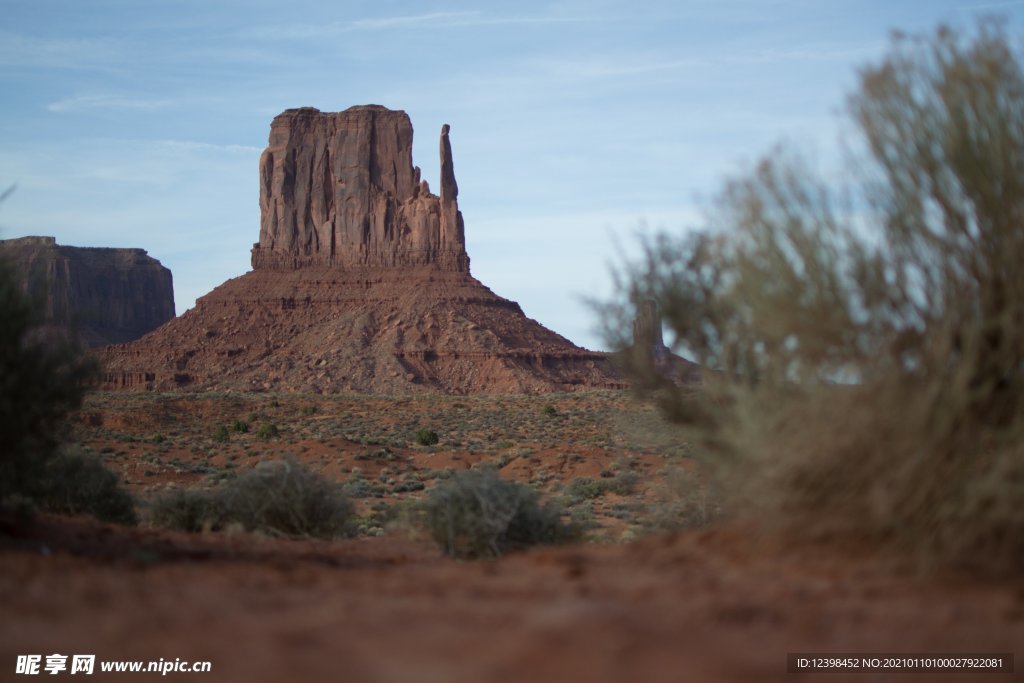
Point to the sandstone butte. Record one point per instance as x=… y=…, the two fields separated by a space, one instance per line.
x=98 y=295
x=360 y=282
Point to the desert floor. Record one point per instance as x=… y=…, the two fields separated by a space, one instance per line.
x=633 y=602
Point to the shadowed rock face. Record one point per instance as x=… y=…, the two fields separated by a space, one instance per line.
x=340 y=189
x=360 y=282
x=102 y=296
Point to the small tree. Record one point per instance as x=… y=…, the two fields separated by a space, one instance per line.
x=864 y=352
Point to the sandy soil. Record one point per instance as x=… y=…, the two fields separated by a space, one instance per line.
x=693 y=607
x=717 y=605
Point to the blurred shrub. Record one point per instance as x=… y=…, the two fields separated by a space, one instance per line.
x=427 y=437
x=280 y=497
x=864 y=346
x=684 y=501
x=42 y=381
x=476 y=513
x=268 y=431
x=189 y=510
x=76 y=484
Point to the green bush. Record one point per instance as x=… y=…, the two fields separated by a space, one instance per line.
x=268 y=431
x=584 y=488
x=550 y=411
x=427 y=437
x=476 y=513
x=864 y=351
x=240 y=426
x=280 y=497
x=220 y=434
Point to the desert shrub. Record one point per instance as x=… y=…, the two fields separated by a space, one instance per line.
x=427 y=437
x=864 y=349
x=78 y=484
x=285 y=497
x=476 y=513
x=550 y=411
x=584 y=488
x=268 y=431
x=408 y=486
x=240 y=426
x=43 y=380
x=359 y=487
x=281 y=497
x=685 y=500
x=189 y=510
x=220 y=434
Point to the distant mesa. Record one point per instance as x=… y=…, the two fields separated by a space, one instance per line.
x=98 y=295
x=360 y=282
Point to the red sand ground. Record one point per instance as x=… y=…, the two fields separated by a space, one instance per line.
x=721 y=605
x=697 y=607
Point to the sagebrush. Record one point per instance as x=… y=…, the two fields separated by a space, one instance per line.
x=278 y=497
x=477 y=514
x=864 y=346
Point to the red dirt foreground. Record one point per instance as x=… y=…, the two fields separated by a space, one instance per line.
x=711 y=606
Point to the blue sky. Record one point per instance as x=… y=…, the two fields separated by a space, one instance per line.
x=139 y=123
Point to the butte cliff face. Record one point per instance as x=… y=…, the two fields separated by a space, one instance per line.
x=101 y=296
x=360 y=282
x=339 y=189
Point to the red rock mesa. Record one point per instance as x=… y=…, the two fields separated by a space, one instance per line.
x=360 y=282
x=98 y=295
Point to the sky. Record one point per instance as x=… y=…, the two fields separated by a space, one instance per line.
x=576 y=125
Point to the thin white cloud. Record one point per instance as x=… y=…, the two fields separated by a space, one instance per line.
x=469 y=19
x=810 y=53
x=206 y=147
x=80 y=103
x=66 y=53
x=609 y=67
x=604 y=66
x=504 y=21
x=414 y=20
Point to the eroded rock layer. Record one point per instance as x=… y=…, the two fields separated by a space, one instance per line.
x=100 y=295
x=324 y=329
